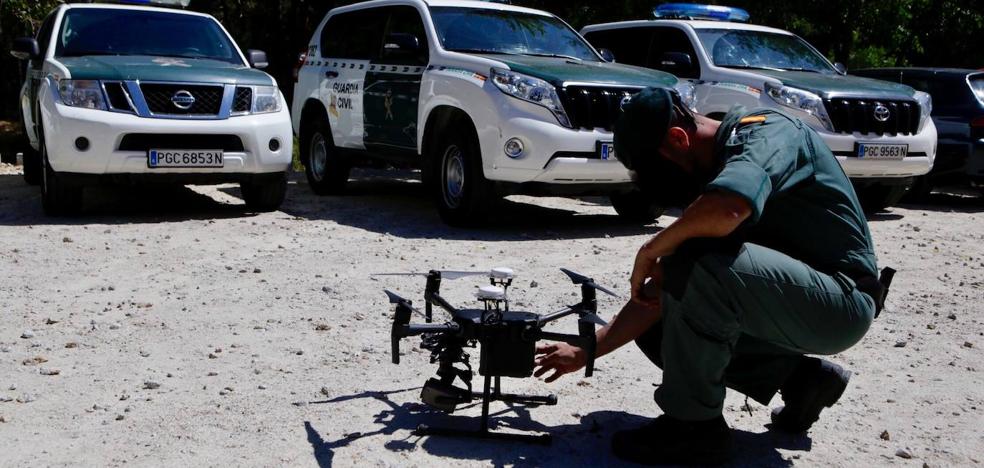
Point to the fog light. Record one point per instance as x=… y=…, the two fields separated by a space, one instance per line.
x=82 y=143
x=514 y=148
x=274 y=144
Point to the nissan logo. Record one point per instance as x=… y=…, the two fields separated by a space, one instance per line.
x=184 y=100
x=881 y=113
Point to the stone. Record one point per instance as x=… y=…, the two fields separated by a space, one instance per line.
x=49 y=371
x=903 y=453
x=27 y=334
x=151 y=385
x=886 y=436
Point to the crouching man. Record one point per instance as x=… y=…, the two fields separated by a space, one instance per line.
x=771 y=262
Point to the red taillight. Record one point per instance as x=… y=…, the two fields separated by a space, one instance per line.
x=978 y=122
x=300 y=63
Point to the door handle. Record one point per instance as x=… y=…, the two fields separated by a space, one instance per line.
x=331 y=74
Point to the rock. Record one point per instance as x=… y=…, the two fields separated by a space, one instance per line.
x=212 y=356
x=144 y=353
x=903 y=453
x=885 y=436
x=49 y=371
x=257 y=270
x=3 y=418
x=151 y=385
x=5 y=349
x=952 y=316
x=5 y=399
x=213 y=374
x=28 y=334
x=114 y=326
x=71 y=345
x=322 y=327
x=225 y=391
x=26 y=398
x=119 y=417
x=50 y=321
x=968 y=344
x=325 y=391
x=534 y=284
x=124 y=397
x=262 y=387
x=900 y=344
x=67 y=240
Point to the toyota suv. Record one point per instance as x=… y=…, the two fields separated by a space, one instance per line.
x=487 y=99
x=146 y=94
x=880 y=131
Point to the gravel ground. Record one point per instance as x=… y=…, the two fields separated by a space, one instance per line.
x=168 y=327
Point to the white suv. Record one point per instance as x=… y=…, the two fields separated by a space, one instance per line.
x=880 y=131
x=149 y=95
x=487 y=99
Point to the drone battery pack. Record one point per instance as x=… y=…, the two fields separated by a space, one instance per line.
x=506 y=351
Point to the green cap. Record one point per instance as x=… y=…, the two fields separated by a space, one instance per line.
x=641 y=127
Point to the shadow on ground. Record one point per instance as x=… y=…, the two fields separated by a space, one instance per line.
x=397 y=203
x=583 y=444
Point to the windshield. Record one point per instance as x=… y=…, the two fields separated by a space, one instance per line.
x=755 y=49
x=507 y=32
x=91 y=31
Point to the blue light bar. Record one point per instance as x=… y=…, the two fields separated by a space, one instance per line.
x=698 y=11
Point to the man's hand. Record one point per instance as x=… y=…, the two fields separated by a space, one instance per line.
x=649 y=268
x=561 y=358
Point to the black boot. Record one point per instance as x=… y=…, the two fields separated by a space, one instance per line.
x=814 y=385
x=671 y=441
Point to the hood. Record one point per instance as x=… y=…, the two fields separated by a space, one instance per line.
x=831 y=85
x=559 y=70
x=148 y=68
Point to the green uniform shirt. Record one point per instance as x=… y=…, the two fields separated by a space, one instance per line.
x=802 y=202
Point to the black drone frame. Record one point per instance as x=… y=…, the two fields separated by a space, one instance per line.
x=508 y=341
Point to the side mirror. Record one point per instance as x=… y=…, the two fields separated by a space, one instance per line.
x=840 y=68
x=25 y=48
x=675 y=61
x=401 y=44
x=257 y=59
x=607 y=55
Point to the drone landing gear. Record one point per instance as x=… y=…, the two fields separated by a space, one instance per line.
x=489 y=395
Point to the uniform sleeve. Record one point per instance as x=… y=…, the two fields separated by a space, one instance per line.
x=761 y=159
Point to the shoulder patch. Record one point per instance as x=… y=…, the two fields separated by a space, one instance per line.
x=752 y=119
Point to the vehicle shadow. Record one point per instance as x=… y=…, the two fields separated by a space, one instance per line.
x=949 y=200
x=399 y=205
x=20 y=205
x=586 y=443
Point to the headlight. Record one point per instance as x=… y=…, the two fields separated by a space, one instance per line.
x=803 y=101
x=688 y=94
x=266 y=99
x=87 y=94
x=925 y=107
x=531 y=89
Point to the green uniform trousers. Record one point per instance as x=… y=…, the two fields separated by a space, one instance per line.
x=742 y=317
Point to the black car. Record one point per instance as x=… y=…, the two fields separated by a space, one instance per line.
x=958 y=112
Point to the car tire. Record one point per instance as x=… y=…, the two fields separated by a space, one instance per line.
x=327 y=172
x=875 y=198
x=265 y=194
x=920 y=190
x=636 y=207
x=32 y=166
x=58 y=197
x=460 y=191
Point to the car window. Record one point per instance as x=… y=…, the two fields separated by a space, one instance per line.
x=977 y=85
x=356 y=35
x=763 y=50
x=629 y=45
x=672 y=40
x=97 y=31
x=44 y=34
x=478 y=30
x=405 y=20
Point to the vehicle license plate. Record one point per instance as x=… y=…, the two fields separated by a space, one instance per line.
x=184 y=158
x=607 y=150
x=882 y=151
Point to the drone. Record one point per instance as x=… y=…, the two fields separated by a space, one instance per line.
x=507 y=341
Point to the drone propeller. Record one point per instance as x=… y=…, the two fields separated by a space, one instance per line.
x=395 y=298
x=451 y=275
x=578 y=278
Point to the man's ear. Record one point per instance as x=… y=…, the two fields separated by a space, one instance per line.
x=678 y=139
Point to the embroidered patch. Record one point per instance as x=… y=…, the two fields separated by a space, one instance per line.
x=753 y=119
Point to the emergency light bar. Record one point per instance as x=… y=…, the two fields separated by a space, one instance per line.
x=698 y=11
x=167 y=3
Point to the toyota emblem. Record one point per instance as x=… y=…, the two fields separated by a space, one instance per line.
x=881 y=113
x=184 y=100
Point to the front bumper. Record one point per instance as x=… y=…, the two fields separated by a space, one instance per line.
x=922 y=153
x=105 y=131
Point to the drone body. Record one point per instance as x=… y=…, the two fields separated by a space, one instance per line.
x=507 y=340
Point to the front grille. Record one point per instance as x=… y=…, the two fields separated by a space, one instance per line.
x=857 y=115
x=117 y=97
x=149 y=141
x=592 y=107
x=243 y=100
x=208 y=99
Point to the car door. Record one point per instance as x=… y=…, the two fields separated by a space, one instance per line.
x=629 y=45
x=34 y=77
x=350 y=41
x=392 y=86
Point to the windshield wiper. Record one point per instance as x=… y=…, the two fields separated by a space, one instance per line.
x=82 y=53
x=482 y=51
x=808 y=70
x=570 y=57
x=750 y=67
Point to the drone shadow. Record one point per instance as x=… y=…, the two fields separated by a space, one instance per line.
x=396 y=203
x=583 y=444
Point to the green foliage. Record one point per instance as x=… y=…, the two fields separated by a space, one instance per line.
x=858 y=33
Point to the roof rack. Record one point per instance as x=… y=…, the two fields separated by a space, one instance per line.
x=696 y=11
